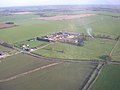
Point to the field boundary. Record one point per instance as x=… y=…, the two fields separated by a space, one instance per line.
x=94 y=75
x=114 y=47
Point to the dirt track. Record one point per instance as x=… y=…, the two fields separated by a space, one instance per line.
x=29 y=72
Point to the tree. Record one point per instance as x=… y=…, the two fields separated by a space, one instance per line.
x=9 y=22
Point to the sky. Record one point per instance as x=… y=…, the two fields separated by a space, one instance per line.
x=7 y=3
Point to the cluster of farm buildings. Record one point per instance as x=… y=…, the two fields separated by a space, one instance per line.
x=64 y=37
x=59 y=36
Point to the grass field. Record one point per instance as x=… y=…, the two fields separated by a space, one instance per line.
x=18 y=18
x=18 y=64
x=65 y=76
x=92 y=49
x=32 y=44
x=108 y=79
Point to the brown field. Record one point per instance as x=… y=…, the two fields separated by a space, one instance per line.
x=65 y=17
x=4 y=25
x=22 y=13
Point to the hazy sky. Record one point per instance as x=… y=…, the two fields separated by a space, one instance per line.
x=4 y=3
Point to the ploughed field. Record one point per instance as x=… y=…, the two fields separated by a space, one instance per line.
x=5 y=25
x=65 y=17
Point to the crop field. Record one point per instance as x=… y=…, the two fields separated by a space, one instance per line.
x=93 y=49
x=18 y=64
x=65 y=76
x=108 y=79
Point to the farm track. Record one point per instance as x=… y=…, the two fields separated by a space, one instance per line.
x=29 y=72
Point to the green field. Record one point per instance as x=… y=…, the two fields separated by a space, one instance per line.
x=92 y=49
x=65 y=76
x=18 y=64
x=109 y=79
x=32 y=43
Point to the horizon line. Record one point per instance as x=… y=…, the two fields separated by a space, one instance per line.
x=59 y=5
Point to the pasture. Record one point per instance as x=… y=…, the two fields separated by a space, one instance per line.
x=92 y=50
x=31 y=43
